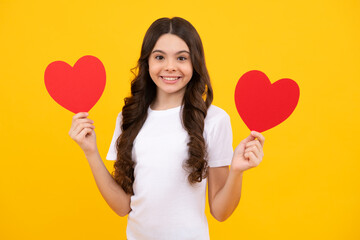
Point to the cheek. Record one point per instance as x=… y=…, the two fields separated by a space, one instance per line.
x=188 y=70
x=154 y=68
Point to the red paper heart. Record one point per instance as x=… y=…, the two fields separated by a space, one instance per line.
x=76 y=88
x=263 y=105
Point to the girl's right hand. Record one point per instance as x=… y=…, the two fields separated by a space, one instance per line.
x=82 y=132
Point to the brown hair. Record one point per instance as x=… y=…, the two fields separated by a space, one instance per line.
x=197 y=99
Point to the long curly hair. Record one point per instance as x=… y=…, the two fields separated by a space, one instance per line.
x=197 y=99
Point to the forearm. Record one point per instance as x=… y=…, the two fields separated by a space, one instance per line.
x=227 y=199
x=111 y=191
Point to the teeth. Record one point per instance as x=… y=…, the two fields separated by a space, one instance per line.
x=170 y=79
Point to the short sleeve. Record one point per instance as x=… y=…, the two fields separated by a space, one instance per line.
x=112 y=153
x=219 y=141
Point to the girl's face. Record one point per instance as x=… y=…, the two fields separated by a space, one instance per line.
x=170 y=65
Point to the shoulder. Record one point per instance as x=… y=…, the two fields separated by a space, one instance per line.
x=119 y=117
x=216 y=114
x=218 y=137
x=216 y=118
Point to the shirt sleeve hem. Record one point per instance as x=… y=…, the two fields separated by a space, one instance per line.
x=220 y=163
x=110 y=157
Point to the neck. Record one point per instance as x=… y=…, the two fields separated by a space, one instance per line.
x=165 y=101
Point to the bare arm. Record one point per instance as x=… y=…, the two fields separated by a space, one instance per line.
x=224 y=192
x=224 y=185
x=111 y=191
x=82 y=132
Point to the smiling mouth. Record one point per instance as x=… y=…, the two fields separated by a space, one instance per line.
x=170 y=78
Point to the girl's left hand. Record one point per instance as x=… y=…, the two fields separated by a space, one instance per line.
x=249 y=153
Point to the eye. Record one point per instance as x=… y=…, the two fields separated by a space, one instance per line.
x=159 y=57
x=182 y=58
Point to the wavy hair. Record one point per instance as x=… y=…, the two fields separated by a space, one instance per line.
x=197 y=99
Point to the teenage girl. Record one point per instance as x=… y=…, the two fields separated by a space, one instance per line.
x=170 y=142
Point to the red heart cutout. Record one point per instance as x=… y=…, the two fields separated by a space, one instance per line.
x=76 y=88
x=263 y=105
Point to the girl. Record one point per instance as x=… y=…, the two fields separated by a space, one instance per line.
x=169 y=141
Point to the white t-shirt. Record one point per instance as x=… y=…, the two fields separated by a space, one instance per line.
x=164 y=204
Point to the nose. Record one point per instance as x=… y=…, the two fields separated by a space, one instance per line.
x=170 y=66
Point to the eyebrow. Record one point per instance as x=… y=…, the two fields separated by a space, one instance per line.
x=160 y=51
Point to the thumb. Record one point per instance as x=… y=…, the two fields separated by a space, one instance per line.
x=241 y=147
x=248 y=139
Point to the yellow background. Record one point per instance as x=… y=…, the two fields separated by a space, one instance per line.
x=307 y=186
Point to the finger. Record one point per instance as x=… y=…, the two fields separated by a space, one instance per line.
x=253 y=149
x=81 y=136
x=77 y=127
x=78 y=121
x=81 y=126
x=84 y=120
x=84 y=132
x=256 y=143
x=253 y=142
x=259 y=136
x=80 y=115
x=253 y=161
x=85 y=125
x=248 y=139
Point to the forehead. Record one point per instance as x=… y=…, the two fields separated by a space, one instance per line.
x=170 y=43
